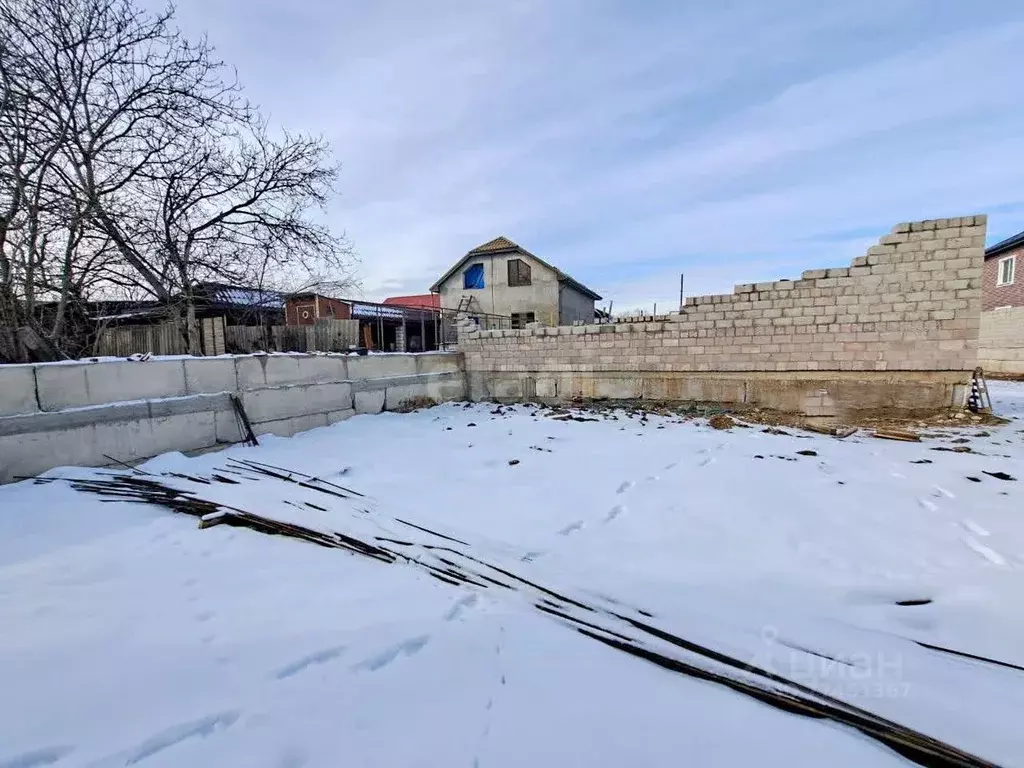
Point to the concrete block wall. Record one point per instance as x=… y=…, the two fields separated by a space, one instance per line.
x=912 y=303
x=92 y=414
x=1001 y=342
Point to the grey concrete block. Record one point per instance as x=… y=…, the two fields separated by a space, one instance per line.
x=277 y=370
x=296 y=401
x=381 y=366
x=75 y=386
x=210 y=375
x=438 y=362
x=335 y=416
x=144 y=438
x=618 y=388
x=31 y=454
x=226 y=427
x=17 y=390
x=369 y=401
x=114 y=412
x=444 y=390
x=510 y=388
x=115 y=382
x=397 y=396
x=90 y=445
x=63 y=386
x=291 y=426
x=547 y=388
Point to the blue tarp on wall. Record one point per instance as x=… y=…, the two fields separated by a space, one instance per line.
x=473 y=277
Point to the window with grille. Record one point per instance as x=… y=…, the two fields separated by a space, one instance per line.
x=1007 y=267
x=521 y=319
x=518 y=273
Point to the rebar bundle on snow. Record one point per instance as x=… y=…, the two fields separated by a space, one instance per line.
x=452 y=561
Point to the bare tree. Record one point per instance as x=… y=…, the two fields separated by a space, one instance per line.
x=130 y=160
x=238 y=210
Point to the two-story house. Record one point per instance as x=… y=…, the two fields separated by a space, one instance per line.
x=1002 y=285
x=503 y=278
x=1001 y=335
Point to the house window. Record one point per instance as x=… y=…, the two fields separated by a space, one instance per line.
x=521 y=319
x=473 y=277
x=518 y=273
x=1007 y=267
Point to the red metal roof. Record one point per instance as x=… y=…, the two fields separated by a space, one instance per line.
x=422 y=301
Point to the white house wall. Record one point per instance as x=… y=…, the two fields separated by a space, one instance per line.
x=497 y=297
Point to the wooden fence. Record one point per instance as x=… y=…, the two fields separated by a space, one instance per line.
x=324 y=336
x=217 y=338
x=162 y=339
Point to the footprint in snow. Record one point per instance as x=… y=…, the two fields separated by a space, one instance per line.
x=974 y=528
x=989 y=554
x=625 y=486
x=409 y=647
x=929 y=505
x=614 y=512
x=461 y=606
x=319 y=657
x=706 y=461
x=37 y=758
x=172 y=736
x=938 y=490
x=571 y=528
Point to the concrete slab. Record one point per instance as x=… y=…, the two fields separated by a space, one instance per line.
x=226 y=428
x=295 y=401
x=17 y=390
x=276 y=370
x=446 y=389
x=395 y=397
x=289 y=427
x=369 y=401
x=438 y=362
x=380 y=366
x=30 y=454
x=335 y=416
x=210 y=375
x=547 y=388
x=116 y=382
x=62 y=386
x=618 y=388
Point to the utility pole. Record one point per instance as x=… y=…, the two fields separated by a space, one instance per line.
x=681 y=296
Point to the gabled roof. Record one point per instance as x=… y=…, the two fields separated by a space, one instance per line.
x=1005 y=245
x=502 y=244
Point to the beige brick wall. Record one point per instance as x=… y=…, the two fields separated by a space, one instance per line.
x=1001 y=342
x=912 y=302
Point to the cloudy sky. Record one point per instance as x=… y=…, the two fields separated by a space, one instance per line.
x=629 y=141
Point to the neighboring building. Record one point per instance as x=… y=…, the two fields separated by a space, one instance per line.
x=1003 y=282
x=307 y=308
x=420 y=301
x=503 y=278
x=1001 y=336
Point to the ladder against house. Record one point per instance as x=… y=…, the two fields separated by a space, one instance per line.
x=465 y=303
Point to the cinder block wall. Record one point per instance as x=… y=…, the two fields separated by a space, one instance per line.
x=1001 y=344
x=911 y=304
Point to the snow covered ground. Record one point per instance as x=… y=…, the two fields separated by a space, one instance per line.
x=129 y=636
